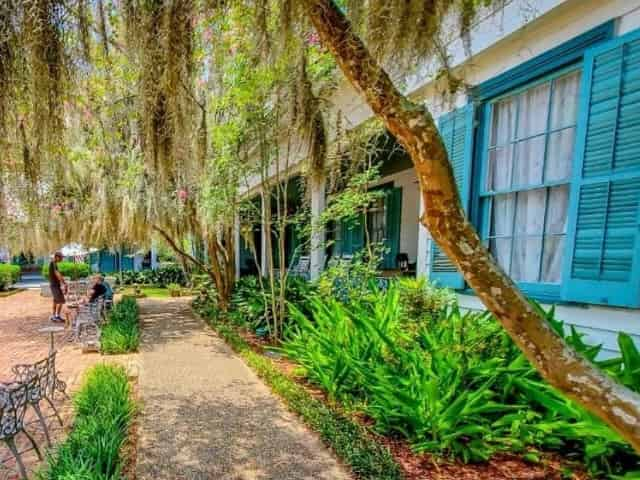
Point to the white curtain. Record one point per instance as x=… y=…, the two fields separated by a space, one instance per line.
x=528 y=227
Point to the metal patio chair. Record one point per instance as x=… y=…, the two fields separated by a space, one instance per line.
x=44 y=387
x=14 y=400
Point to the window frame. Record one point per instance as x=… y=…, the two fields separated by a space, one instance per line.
x=482 y=195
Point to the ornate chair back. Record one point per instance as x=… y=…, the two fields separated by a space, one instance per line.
x=13 y=406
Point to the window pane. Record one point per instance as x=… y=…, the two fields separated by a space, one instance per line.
x=529 y=162
x=501 y=250
x=534 y=104
x=552 y=259
x=560 y=155
x=502 y=215
x=530 y=212
x=503 y=121
x=564 y=108
x=526 y=259
x=557 y=210
x=500 y=166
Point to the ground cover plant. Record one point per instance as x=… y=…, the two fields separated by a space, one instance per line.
x=69 y=270
x=103 y=413
x=9 y=274
x=121 y=333
x=453 y=384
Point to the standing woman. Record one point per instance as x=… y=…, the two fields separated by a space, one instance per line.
x=57 y=284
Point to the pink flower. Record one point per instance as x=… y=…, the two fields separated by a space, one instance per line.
x=183 y=194
x=57 y=209
x=313 y=39
x=207 y=34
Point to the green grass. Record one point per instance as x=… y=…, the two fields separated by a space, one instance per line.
x=103 y=413
x=153 y=292
x=351 y=441
x=121 y=334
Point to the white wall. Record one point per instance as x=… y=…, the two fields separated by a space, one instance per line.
x=410 y=210
x=599 y=324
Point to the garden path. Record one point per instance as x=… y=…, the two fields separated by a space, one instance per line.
x=206 y=415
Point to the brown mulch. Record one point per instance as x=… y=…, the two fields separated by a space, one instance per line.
x=428 y=467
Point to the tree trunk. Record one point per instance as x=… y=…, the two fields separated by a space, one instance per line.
x=415 y=130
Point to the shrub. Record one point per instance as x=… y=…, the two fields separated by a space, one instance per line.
x=163 y=276
x=421 y=300
x=121 y=334
x=9 y=274
x=69 y=270
x=175 y=290
x=103 y=413
x=251 y=306
x=457 y=386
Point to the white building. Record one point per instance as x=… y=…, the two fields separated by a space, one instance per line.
x=546 y=150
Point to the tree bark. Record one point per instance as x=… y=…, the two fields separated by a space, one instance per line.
x=415 y=130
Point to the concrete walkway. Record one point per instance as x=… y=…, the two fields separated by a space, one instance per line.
x=207 y=416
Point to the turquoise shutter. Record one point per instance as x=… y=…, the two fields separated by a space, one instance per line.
x=603 y=265
x=393 y=203
x=352 y=235
x=456 y=130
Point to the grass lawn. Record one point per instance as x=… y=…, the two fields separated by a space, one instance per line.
x=154 y=292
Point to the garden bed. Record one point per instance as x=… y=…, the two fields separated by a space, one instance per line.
x=121 y=334
x=412 y=466
x=447 y=392
x=97 y=446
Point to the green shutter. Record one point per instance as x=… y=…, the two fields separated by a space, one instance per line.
x=393 y=204
x=604 y=219
x=352 y=235
x=456 y=130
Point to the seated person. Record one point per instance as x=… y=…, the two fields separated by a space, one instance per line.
x=98 y=289
x=109 y=293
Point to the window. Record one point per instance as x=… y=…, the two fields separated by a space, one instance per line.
x=377 y=221
x=525 y=190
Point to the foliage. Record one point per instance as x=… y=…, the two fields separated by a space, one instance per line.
x=251 y=304
x=70 y=270
x=421 y=300
x=174 y=289
x=103 y=413
x=162 y=276
x=457 y=386
x=9 y=274
x=351 y=441
x=121 y=334
x=349 y=278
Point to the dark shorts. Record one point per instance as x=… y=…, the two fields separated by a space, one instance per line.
x=58 y=296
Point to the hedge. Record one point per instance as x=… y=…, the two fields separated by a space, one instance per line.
x=9 y=274
x=69 y=270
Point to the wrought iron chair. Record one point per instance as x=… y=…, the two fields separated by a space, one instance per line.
x=43 y=388
x=14 y=400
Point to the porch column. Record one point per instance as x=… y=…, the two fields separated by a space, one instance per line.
x=317 y=185
x=154 y=255
x=236 y=233
x=424 y=246
x=264 y=258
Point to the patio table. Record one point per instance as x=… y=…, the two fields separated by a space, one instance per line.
x=51 y=329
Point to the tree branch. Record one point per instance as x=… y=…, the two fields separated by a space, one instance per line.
x=178 y=250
